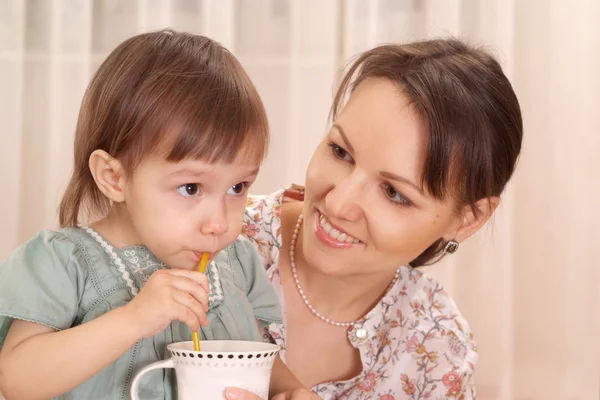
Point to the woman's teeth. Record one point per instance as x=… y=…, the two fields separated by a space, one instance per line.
x=334 y=233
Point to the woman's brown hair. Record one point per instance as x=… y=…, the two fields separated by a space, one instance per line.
x=469 y=108
x=163 y=89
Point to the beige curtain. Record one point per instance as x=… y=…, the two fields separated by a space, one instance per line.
x=528 y=283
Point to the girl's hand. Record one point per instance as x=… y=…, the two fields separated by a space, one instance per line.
x=170 y=295
x=298 y=394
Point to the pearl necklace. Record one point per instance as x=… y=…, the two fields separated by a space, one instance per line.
x=310 y=307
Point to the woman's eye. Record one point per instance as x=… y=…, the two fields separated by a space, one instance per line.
x=339 y=152
x=395 y=196
x=189 y=190
x=238 y=189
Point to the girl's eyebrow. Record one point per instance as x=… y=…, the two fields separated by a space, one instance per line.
x=188 y=172
x=255 y=171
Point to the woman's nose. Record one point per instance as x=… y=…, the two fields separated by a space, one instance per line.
x=344 y=201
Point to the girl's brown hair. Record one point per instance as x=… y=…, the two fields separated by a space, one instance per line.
x=163 y=89
x=468 y=105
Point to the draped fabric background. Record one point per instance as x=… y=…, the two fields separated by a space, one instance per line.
x=528 y=283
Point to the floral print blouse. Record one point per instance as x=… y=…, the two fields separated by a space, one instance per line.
x=418 y=346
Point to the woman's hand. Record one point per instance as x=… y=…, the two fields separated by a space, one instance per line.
x=170 y=295
x=297 y=394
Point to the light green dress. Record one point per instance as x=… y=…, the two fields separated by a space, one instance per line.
x=66 y=278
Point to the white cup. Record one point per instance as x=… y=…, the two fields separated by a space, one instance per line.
x=220 y=364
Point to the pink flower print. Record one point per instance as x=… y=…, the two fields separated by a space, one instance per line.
x=386 y=397
x=417 y=309
x=453 y=382
x=368 y=384
x=451 y=379
x=456 y=346
x=275 y=335
x=427 y=395
x=403 y=290
x=413 y=344
x=430 y=295
x=407 y=385
x=249 y=229
x=277 y=210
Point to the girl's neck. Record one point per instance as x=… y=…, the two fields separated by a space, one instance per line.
x=117 y=228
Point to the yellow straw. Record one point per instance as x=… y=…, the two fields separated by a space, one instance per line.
x=201 y=268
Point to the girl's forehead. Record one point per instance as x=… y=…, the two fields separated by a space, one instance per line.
x=176 y=144
x=159 y=165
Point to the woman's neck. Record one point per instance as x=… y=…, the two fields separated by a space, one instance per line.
x=340 y=298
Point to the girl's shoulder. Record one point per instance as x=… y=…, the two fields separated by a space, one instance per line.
x=63 y=248
x=44 y=279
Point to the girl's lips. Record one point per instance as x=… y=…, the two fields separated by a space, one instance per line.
x=198 y=256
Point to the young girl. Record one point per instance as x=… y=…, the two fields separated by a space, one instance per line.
x=170 y=136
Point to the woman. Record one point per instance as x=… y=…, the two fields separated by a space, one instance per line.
x=414 y=164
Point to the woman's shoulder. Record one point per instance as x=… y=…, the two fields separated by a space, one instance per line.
x=263 y=219
x=433 y=330
x=264 y=208
x=262 y=225
x=430 y=309
x=262 y=211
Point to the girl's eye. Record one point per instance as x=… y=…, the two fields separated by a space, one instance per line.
x=238 y=189
x=395 y=196
x=339 y=152
x=189 y=190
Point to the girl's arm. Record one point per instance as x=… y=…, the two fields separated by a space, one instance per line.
x=37 y=362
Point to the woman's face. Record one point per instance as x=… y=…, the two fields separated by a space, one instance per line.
x=365 y=209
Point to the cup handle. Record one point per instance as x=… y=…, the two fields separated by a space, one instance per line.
x=168 y=363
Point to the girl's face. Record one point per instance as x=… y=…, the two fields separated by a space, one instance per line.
x=365 y=208
x=179 y=210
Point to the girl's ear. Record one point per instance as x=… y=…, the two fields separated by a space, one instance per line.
x=108 y=174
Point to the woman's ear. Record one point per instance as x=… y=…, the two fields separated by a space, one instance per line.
x=471 y=221
x=108 y=174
